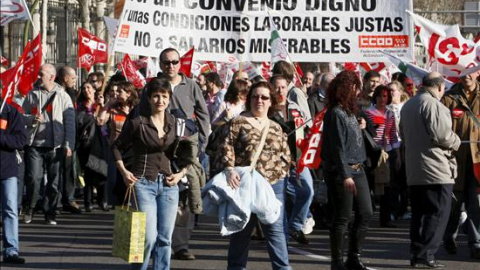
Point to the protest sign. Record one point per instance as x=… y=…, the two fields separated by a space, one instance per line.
x=312 y=30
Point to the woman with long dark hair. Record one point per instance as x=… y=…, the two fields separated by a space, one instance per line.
x=152 y=138
x=343 y=155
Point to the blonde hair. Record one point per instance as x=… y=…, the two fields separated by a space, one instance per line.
x=404 y=96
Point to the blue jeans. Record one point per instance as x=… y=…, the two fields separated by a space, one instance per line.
x=160 y=203
x=300 y=191
x=274 y=234
x=8 y=195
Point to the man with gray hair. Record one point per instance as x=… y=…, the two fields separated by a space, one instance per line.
x=426 y=130
x=50 y=120
x=316 y=101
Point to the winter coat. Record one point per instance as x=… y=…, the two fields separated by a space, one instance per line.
x=456 y=101
x=426 y=130
x=13 y=137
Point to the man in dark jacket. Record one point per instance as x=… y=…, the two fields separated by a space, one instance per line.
x=13 y=137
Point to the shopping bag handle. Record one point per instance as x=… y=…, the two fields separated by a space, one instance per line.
x=128 y=195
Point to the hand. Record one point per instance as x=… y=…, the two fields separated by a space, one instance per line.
x=68 y=152
x=129 y=178
x=228 y=113
x=362 y=123
x=173 y=179
x=349 y=185
x=233 y=178
x=38 y=118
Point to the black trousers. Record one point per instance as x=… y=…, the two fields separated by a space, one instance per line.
x=430 y=210
x=343 y=202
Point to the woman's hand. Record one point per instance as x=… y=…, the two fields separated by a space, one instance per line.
x=128 y=178
x=362 y=123
x=233 y=178
x=173 y=179
x=349 y=185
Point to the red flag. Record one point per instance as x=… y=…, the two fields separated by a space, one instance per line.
x=31 y=66
x=266 y=70
x=311 y=146
x=186 y=62
x=141 y=62
x=3 y=61
x=131 y=73
x=12 y=78
x=91 y=50
x=298 y=69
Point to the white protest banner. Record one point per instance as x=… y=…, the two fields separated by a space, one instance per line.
x=312 y=30
x=13 y=10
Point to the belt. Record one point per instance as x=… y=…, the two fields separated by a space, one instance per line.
x=356 y=167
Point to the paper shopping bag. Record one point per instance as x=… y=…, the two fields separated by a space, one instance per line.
x=129 y=234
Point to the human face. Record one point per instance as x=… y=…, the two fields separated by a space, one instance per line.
x=159 y=101
x=260 y=102
x=96 y=82
x=372 y=83
x=71 y=79
x=281 y=86
x=88 y=91
x=396 y=93
x=170 y=64
x=382 y=100
x=469 y=82
x=244 y=77
x=201 y=80
x=123 y=96
x=114 y=91
x=44 y=78
x=308 y=79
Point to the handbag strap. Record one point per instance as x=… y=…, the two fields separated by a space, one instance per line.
x=260 y=145
x=128 y=195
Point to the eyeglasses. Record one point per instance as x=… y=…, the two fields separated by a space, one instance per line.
x=168 y=63
x=255 y=97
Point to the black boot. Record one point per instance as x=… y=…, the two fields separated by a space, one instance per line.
x=337 y=265
x=354 y=263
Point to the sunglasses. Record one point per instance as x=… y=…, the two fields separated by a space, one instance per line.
x=255 y=97
x=167 y=63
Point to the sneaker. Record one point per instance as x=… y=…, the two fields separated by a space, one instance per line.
x=13 y=259
x=50 y=220
x=184 y=255
x=308 y=227
x=28 y=216
x=299 y=237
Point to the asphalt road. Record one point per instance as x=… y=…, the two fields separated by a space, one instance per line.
x=84 y=242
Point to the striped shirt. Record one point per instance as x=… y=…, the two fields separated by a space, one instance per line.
x=385 y=127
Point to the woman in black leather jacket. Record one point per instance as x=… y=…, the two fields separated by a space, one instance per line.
x=343 y=155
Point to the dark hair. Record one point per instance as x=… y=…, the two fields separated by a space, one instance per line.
x=161 y=85
x=432 y=82
x=274 y=96
x=129 y=88
x=285 y=69
x=214 y=78
x=235 y=89
x=167 y=50
x=379 y=90
x=339 y=92
x=371 y=74
x=276 y=77
x=400 y=77
x=98 y=74
x=81 y=96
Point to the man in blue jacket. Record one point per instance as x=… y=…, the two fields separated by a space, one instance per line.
x=13 y=137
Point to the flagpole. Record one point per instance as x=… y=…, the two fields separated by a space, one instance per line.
x=6 y=97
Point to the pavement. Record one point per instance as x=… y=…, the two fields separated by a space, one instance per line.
x=84 y=242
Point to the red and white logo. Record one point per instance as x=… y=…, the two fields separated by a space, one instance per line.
x=383 y=41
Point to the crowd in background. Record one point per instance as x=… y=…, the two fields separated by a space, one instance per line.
x=91 y=145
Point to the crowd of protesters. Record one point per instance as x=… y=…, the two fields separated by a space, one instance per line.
x=386 y=145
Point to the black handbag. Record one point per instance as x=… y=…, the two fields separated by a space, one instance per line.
x=373 y=151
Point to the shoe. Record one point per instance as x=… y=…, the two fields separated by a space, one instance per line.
x=308 y=227
x=88 y=208
x=337 y=265
x=72 y=207
x=475 y=253
x=28 y=216
x=13 y=259
x=354 y=263
x=388 y=224
x=450 y=246
x=299 y=237
x=50 y=220
x=183 y=255
x=104 y=207
x=421 y=263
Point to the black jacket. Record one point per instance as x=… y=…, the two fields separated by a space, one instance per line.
x=13 y=136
